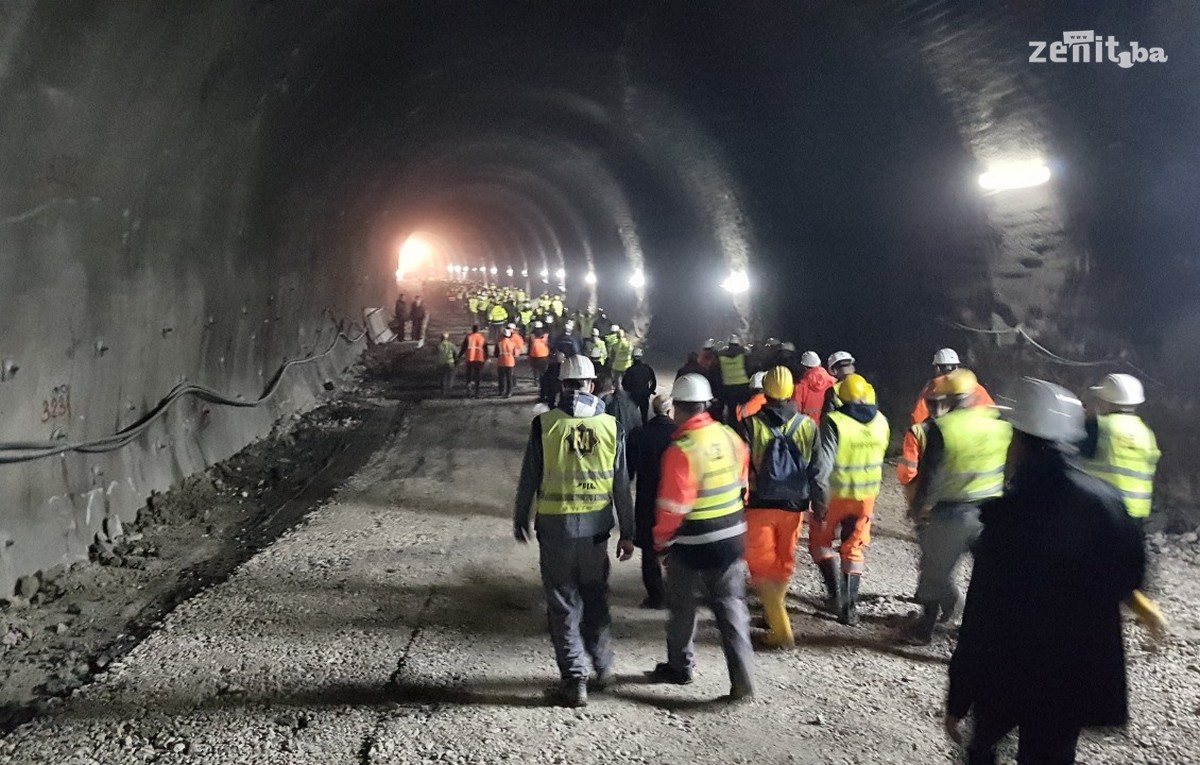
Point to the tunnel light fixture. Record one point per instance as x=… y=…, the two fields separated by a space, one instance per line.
x=525 y=272
x=561 y=274
x=545 y=274
x=494 y=270
x=1014 y=175
x=638 y=279
x=590 y=278
x=509 y=271
x=736 y=283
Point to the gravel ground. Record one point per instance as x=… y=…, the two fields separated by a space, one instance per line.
x=400 y=624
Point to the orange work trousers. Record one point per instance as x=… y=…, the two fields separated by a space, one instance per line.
x=849 y=519
x=771 y=539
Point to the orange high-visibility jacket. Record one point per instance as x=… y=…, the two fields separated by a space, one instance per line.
x=507 y=351
x=539 y=347
x=476 y=347
x=920 y=412
x=751 y=407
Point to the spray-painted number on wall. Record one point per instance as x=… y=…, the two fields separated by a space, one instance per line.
x=58 y=406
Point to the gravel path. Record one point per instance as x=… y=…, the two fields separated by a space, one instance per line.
x=400 y=624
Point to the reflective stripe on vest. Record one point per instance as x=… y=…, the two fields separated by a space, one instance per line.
x=539 y=347
x=1126 y=457
x=498 y=313
x=976 y=449
x=476 y=347
x=858 y=466
x=578 y=458
x=762 y=434
x=506 y=355
x=920 y=435
x=712 y=455
x=733 y=370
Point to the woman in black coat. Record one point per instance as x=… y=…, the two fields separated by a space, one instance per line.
x=645 y=448
x=1041 y=646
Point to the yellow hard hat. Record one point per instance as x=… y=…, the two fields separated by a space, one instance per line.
x=778 y=384
x=960 y=382
x=856 y=390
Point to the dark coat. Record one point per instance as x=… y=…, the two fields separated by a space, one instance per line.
x=644 y=453
x=624 y=408
x=1041 y=633
x=639 y=381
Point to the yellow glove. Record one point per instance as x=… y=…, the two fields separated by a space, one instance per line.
x=1148 y=615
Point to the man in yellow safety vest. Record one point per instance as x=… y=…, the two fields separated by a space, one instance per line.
x=1119 y=448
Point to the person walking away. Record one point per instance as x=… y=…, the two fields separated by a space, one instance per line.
x=692 y=366
x=841 y=366
x=963 y=466
x=647 y=444
x=474 y=350
x=610 y=340
x=640 y=382
x=735 y=382
x=497 y=318
x=812 y=387
x=708 y=355
x=400 y=316
x=574 y=470
x=945 y=361
x=1118 y=447
x=757 y=398
x=525 y=316
x=617 y=402
x=473 y=306
x=1041 y=648
x=848 y=475
x=418 y=316
x=591 y=343
x=789 y=359
x=700 y=523
x=447 y=360
x=551 y=388
x=507 y=351
x=556 y=306
x=914 y=443
x=539 y=352
x=566 y=343
x=781 y=442
x=622 y=358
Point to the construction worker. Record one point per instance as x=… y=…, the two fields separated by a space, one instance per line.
x=781 y=444
x=708 y=354
x=640 y=382
x=848 y=470
x=1119 y=448
x=788 y=358
x=574 y=467
x=735 y=381
x=962 y=466
x=757 y=398
x=525 y=315
x=539 y=352
x=617 y=402
x=418 y=315
x=915 y=440
x=474 y=350
x=593 y=342
x=945 y=361
x=473 y=306
x=841 y=366
x=566 y=343
x=622 y=357
x=1041 y=646
x=447 y=360
x=700 y=524
x=399 y=317
x=556 y=306
x=497 y=318
x=507 y=352
x=516 y=334
x=812 y=387
x=646 y=446
x=610 y=340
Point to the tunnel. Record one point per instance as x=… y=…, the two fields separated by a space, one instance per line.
x=201 y=200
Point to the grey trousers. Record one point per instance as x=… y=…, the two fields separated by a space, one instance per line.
x=575 y=580
x=724 y=591
x=947 y=534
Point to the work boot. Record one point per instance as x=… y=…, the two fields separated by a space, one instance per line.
x=833 y=585
x=920 y=630
x=571 y=692
x=665 y=673
x=604 y=679
x=951 y=608
x=739 y=693
x=774 y=601
x=849 y=612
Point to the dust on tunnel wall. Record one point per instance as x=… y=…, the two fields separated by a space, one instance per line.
x=158 y=223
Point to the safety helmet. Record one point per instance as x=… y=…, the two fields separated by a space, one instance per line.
x=1120 y=390
x=537 y=325
x=734 y=339
x=596 y=352
x=614 y=328
x=638 y=353
x=1047 y=411
x=445 y=335
x=756 y=380
x=788 y=346
x=512 y=325
x=839 y=357
x=577 y=368
x=507 y=332
x=569 y=324
x=946 y=357
x=810 y=359
x=771 y=342
x=960 y=382
x=856 y=390
x=710 y=343
x=779 y=384
x=595 y=332
x=549 y=319
x=692 y=388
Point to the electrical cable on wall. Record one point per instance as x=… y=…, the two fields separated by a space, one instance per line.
x=31 y=450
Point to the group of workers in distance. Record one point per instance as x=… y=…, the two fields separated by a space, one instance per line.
x=727 y=465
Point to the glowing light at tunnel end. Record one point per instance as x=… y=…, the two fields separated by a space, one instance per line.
x=737 y=282
x=1002 y=176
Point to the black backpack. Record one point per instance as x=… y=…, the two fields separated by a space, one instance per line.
x=782 y=476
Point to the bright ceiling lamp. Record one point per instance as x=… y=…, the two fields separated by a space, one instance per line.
x=508 y=271
x=493 y=270
x=590 y=277
x=545 y=274
x=1002 y=176
x=524 y=272
x=737 y=282
x=561 y=274
x=638 y=279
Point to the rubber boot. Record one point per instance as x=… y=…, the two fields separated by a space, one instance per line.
x=833 y=585
x=774 y=601
x=849 y=612
x=920 y=632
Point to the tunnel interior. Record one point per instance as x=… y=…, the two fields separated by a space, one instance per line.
x=201 y=192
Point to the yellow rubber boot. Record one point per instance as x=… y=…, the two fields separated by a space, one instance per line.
x=774 y=596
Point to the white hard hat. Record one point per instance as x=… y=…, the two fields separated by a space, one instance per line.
x=537 y=324
x=1121 y=390
x=771 y=341
x=692 y=388
x=549 y=319
x=638 y=353
x=596 y=352
x=577 y=368
x=838 y=357
x=710 y=343
x=614 y=327
x=810 y=359
x=734 y=339
x=511 y=325
x=788 y=346
x=1045 y=410
x=595 y=332
x=569 y=324
x=756 y=380
x=946 y=357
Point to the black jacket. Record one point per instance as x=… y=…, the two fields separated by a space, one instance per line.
x=644 y=453
x=1041 y=633
x=639 y=381
x=620 y=405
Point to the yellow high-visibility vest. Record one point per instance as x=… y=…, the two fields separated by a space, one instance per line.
x=976 y=449
x=858 y=465
x=733 y=370
x=578 y=458
x=1127 y=458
